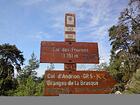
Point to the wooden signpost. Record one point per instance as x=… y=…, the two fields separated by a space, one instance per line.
x=71 y=52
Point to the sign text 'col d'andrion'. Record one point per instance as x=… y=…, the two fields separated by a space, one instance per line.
x=78 y=82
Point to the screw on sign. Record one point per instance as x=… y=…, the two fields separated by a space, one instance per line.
x=70 y=52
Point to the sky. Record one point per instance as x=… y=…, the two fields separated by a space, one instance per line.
x=26 y=23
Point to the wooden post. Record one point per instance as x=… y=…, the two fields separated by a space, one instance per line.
x=70 y=36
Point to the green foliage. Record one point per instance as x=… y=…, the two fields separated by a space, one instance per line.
x=29 y=87
x=29 y=83
x=26 y=83
x=133 y=86
x=30 y=69
x=39 y=89
x=103 y=66
x=125 y=41
x=11 y=59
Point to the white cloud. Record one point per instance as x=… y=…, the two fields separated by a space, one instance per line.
x=100 y=12
x=104 y=52
x=31 y=2
x=91 y=13
x=58 y=22
x=78 y=3
x=41 y=36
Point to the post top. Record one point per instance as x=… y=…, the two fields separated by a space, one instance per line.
x=71 y=13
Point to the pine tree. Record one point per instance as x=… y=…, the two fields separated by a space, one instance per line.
x=30 y=69
x=11 y=59
x=29 y=83
x=125 y=41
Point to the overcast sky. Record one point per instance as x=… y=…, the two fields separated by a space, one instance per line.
x=26 y=23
